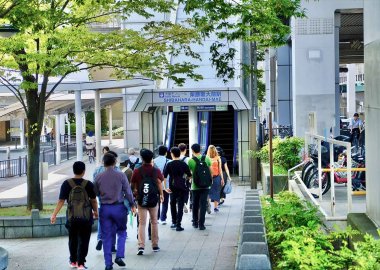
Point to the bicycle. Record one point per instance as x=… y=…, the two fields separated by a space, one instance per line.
x=91 y=152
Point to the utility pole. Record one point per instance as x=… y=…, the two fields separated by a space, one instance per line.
x=253 y=123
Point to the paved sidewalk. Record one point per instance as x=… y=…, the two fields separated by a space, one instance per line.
x=214 y=248
x=13 y=190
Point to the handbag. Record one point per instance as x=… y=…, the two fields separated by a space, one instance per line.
x=227 y=187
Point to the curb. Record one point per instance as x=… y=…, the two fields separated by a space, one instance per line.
x=253 y=253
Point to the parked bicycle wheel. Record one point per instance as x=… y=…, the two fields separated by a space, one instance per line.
x=313 y=183
x=305 y=167
x=308 y=172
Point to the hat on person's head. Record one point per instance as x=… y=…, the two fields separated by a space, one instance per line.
x=123 y=160
x=219 y=150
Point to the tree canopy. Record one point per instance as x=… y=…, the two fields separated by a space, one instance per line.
x=55 y=38
x=265 y=22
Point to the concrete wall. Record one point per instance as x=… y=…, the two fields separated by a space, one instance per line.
x=315 y=63
x=372 y=105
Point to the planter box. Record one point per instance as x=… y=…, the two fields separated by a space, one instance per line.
x=280 y=182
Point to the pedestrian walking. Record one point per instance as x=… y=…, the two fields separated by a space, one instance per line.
x=226 y=173
x=161 y=162
x=356 y=126
x=183 y=148
x=147 y=187
x=113 y=188
x=133 y=161
x=81 y=209
x=200 y=168
x=177 y=169
x=98 y=170
x=217 y=176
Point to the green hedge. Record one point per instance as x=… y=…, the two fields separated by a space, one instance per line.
x=297 y=241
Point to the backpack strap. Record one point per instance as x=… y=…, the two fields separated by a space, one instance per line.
x=184 y=158
x=84 y=183
x=203 y=159
x=137 y=161
x=72 y=183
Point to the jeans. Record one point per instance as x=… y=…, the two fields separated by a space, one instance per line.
x=113 y=219
x=177 y=198
x=79 y=238
x=164 y=209
x=199 y=205
x=143 y=216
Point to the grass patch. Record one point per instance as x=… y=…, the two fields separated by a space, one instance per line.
x=21 y=211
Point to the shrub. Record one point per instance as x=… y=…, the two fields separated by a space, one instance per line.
x=286 y=152
x=297 y=241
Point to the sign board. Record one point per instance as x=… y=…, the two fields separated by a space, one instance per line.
x=190 y=97
x=202 y=108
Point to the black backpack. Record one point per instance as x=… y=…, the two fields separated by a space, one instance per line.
x=148 y=189
x=132 y=165
x=202 y=175
x=79 y=210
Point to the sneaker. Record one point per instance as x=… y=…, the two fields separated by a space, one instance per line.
x=119 y=262
x=173 y=226
x=140 y=251
x=216 y=210
x=208 y=208
x=221 y=202
x=185 y=210
x=202 y=227
x=73 y=264
x=195 y=225
x=109 y=267
x=99 y=245
x=81 y=267
x=156 y=249
x=179 y=229
x=163 y=222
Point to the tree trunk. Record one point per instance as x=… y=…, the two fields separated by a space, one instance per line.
x=33 y=174
x=35 y=120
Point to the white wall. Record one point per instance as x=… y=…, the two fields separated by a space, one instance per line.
x=314 y=55
x=372 y=105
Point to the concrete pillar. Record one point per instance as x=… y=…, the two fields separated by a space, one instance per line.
x=68 y=128
x=22 y=133
x=351 y=90
x=110 y=124
x=83 y=122
x=57 y=139
x=372 y=105
x=193 y=127
x=78 y=121
x=243 y=145
x=98 y=127
x=146 y=130
x=62 y=123
x=125 y=118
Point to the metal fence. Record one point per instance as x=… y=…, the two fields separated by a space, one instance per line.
x=281 y=131
x=13 y=167
x=17 y=167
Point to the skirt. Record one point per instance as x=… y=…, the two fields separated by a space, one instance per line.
x=215 y=188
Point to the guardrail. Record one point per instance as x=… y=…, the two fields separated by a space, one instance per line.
x=18 y=166
x=317 y=201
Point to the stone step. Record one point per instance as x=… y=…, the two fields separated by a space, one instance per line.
x=254 y=262
x=253 y=227
x=254 y=248
x=253 y=237
x=253 y=219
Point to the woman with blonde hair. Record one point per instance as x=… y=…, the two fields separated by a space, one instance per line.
x=217 y=176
